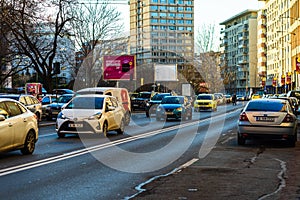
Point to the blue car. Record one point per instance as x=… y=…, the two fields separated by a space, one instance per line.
x=53 y=109
x=176 y=107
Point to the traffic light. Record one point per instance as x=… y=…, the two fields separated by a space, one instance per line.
x=56 y=68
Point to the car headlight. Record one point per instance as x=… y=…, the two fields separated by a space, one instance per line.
x=159 y=109
x=61 y=116
x=48 y=108
x=95 y=116
x=179 y=109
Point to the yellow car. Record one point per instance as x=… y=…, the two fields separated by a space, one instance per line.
x=206 y=102
x=256 y=96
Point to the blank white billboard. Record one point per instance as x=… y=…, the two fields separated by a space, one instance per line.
x=165 y=72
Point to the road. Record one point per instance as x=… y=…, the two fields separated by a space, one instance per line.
x=94 y=167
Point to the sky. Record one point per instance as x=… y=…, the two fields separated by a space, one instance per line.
x=208 y=11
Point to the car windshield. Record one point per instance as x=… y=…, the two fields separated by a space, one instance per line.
x=172 y=100
x=64 y=99
x=271 y=106
x=144 y=95
x=86 y=103
x=204 y=97
x=159 y=97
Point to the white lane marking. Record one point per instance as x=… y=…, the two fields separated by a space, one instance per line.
x=80 y=152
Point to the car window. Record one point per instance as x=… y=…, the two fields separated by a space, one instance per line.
x=28 y=100
x=86 y=103
x=23 y=100
x=3 y=108
x=267 y=106
x=204 y=97
x=13 y=108
x=46 y=100
x=114 y=102
x=34 y=100
x=172 y=100
x=64 y=99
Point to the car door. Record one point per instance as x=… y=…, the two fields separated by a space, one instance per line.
x=6 y=129
x=18 y=121
x=110 y=114
x=119 y=111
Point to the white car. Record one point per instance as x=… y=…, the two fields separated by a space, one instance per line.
x=18 y=127
x=91 y=114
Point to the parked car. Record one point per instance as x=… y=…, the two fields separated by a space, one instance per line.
x=176 y=107
x=205 y=102
x=121 y=94
x=53 y=109
x=221 y=99
x=91 y=114
x=32 y=103
x=18 y=127
x=46 y=100
x=154 y=102
x=294 y=105
x=267 y=118
x=139 y=102
x=294 y=93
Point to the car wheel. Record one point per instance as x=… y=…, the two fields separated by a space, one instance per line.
x=29 y=144
x=122 y=127
x=240 y=140
x=60 y=135
x=105 y=129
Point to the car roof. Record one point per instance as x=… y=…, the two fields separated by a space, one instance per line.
x=8 y=99
x=93 y=95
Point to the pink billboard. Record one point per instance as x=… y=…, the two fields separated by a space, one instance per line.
x=119 y=67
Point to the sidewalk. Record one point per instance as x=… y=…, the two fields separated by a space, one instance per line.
x=229 y=174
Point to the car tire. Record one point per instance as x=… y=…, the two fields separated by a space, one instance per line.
x=105 y=129
x=60 y=135
x=29 y=144
x=240 y=140
x=122 y=128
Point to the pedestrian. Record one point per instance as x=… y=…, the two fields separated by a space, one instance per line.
x=234 y=99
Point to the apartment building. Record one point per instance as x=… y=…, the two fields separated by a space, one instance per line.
x=282 y=22
x=161 y=32
x=239 y=53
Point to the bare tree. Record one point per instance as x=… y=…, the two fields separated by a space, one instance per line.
x=34 y=34
x=208 y=60
x=94 y=26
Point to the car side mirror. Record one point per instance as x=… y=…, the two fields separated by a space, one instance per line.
x=2 y=118
x=110 y=108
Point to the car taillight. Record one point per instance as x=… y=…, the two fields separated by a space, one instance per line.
x=288 y=118
x=243 y=117
x=35 y=116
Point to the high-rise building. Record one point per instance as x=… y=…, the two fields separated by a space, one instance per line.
x=162 y=31
x=282 y=22
x=239 y=59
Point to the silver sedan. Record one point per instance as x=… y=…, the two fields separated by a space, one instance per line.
x=267 y=118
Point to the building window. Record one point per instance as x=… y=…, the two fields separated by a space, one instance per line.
x=154 y=20
x=163 y=21
x=188 y=15
x=172 y=28
x=153 y=7
x=163 y=8
x=171 y=1
x=180 y=21
x=188 y=9
x=154 y=1
x=163 y=1
x=154 y=14
x=163 y=14
x=172 y=15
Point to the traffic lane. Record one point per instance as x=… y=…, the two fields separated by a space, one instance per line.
x=50 y=145
x=75 y=177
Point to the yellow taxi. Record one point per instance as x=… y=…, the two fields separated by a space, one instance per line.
x=205 y=102
x=256 y=96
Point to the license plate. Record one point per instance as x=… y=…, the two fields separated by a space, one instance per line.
x=169 y=113
x=265 y=119
x=55 y=112
x=76 y=125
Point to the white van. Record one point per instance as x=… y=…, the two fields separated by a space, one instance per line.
x=121 y=94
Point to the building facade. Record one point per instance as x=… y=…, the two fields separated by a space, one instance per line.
x=239 y=53
x=282 y=22
x=161 y=32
